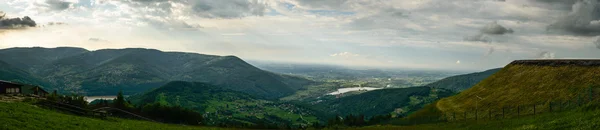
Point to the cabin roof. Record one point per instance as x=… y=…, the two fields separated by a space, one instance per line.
x=25 y=88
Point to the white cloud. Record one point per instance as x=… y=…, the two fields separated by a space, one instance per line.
x=344 y=54
x=545 y=55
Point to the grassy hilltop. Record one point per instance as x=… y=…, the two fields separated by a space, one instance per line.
x=528 y=82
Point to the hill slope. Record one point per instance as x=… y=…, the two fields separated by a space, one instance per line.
x=10 y=73
x=402 y=101
x=225 y=106
x=133 y=70
x=17 y=115
x=462 y=82
x=33 y=59
x=527 y=82
x=577 y=120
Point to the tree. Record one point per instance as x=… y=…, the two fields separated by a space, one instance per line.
x=53 y=96
x=316 y=125
x=360 y=120
x=120 y=102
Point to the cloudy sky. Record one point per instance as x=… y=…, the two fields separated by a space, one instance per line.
x=429 y=34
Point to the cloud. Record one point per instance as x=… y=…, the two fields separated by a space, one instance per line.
x=97 y=40
x=584 y=19
x=204 y=8
x=322 y=4
x=56 y=23
x=545 y=55
x=15 y=23
x=344 y=54
x=53 y=5
x=227 y=8
x=489 y=52
x=478 y=38
x=597 y=43
x=495 y=29
x=486 y=33
x=177 y=14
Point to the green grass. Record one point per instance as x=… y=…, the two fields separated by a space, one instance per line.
x=525 y=85
x=19 y=115
x=575 y=119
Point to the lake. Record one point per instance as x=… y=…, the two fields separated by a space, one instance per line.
x=89 y=99
x=345 y=90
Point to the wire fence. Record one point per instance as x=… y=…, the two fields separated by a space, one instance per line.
x=491 y=111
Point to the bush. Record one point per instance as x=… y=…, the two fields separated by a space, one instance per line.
x=176 y=114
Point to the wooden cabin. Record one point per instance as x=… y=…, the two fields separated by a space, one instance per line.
x=7 y=87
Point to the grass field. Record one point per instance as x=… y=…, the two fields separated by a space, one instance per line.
x=518 y=84
x=586 y=118
x=19 y=115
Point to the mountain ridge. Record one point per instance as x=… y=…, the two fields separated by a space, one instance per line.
x=462 y=82
x=133 y=70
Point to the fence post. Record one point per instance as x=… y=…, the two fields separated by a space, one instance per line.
x=518 y=110
x=503 y=112
x=591 y=93
x=465 y=114
x=490 y=114
x=476 y=114
x=534 y=109
x=454 y=116
x=579 y=99
x=550 y=106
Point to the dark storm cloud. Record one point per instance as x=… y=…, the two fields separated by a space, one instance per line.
x=584 y=19
x=495 y=29
x=15 y=23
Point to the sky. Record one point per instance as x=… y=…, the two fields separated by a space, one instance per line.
x=417 y=34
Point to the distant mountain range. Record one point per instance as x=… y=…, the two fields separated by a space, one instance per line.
x=134 y=70
x=462 y=82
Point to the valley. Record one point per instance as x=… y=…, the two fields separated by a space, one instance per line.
x=225 y=91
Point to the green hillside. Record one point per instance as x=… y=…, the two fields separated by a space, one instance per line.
x=523 y=83
x=462 y=82
x=577 y=120
x=18 y=115
x=226 y=106
x=10 y=73
x=398 y=101
x=134 y=70
x=33 y=59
